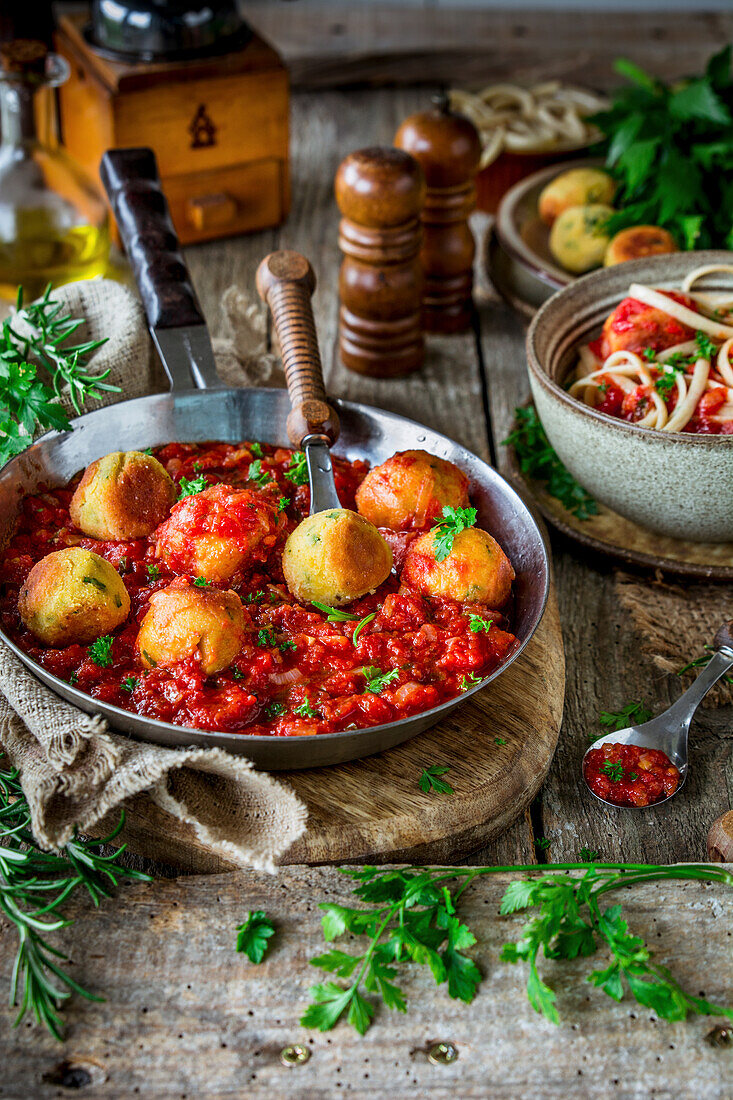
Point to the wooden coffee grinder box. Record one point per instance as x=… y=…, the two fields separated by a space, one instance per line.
x=218 y=125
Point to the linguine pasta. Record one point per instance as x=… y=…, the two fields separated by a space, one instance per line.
x=539 y=119
x=663 y=360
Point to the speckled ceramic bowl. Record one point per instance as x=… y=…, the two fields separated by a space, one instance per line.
x=676 y=483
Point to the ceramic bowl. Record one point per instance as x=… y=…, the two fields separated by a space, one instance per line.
x=676 y=483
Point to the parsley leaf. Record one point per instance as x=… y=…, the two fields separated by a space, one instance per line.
x=188 y=488
x=297 y=471
x=477 y=623
x=256 y=450
x=100 y=651
x=275 y=710
x=153 y=572
x=633 y=714
x=706 y=348
x=305 y=710
x=258 y=475
x=129 y=684
x=469 y=681
x=377 y=680
x=430 y=779
x=614 y=771
x=201 y=582
x=253 y=935
x=282 y=504
x=454 y=520
x=538 y=460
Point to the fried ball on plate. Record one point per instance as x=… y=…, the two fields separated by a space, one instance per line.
x=218 y=532
x=475 y=569
x=576 y=187
x=638 y=241
x=410 y=490
x=72 y=596
x=334 y=557
x=578 y=238
x=124 y=495
x=183 y=620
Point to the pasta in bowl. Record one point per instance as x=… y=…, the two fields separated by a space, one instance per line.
x=631 y=370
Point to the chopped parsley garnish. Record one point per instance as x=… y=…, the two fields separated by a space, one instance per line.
x=101 y=651
x=649 y=354
x=500 y=740
x=201 y=582
x=96 y=582
x=297 y=471
x=603 y=388
x=275 y=710
x=614 y=770
x=129 y=684
x=256 y=450
x=430 y=779
x=377 y=680
x=196 y=466
x=285 y=645
x=454 y=521
x=255 y=597
x=237 y=674
x=73 y=678
x=188 y=488
x=666 y=383
x=538 y=460
x=153 y=572
x=148 y=451
x=266 y=637
x=282 y=504
x=706 y=347
x=305 y=710
x=588 y=855
x=258 y=475
x=477 y=623
x=469 y=681
x=254 y=934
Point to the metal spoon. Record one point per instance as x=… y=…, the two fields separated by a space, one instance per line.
x=669 y=731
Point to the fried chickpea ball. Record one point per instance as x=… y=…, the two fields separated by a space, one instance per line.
x=334 y=557
x=124 y=495
x=409 y=491
x=634 y=326
x=638 y=241
x=72 y=596
x=576 y=187
x=578 y=239
x=183 y=620
x=218 y=532
x=475 y=569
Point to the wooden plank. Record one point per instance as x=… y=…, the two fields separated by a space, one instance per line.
x=185 y=1016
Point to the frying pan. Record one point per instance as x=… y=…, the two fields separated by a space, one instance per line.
x=200 y=408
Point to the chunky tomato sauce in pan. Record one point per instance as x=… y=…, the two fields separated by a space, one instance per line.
x=394 y=653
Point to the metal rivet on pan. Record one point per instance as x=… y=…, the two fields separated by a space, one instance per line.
x=294 y=1055
x=442 y=1054
x=720 y=1036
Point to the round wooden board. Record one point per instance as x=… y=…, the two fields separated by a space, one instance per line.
x=373 y=810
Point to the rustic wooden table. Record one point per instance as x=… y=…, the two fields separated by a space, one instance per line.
x=185 y=1016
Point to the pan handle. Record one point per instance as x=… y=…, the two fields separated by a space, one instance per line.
x=285 y=281
x=132 y=183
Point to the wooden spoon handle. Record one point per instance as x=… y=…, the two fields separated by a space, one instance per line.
x=285 y=281
x=724 y=636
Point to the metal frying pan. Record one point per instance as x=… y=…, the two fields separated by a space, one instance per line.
x=199 y=408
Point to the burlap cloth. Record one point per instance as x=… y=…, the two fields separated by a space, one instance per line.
x=73 y=768
x=675 y=621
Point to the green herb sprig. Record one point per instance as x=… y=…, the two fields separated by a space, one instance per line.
x=670 y=146
x=33 y=886
x=100 y=651
x=297 y=470
x=701 y=662
x=27 y=402
x=253 y=935
x=633 y=714
x=193 y=487
x=453 y=522
x=336 y=615
x=376 y=680
x=538 y=460
x=409 y=916
x=430 y=779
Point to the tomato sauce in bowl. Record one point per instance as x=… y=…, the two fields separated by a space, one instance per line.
x=630 y=775
x=299 y=672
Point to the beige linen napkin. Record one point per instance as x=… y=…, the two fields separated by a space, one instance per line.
x=73 y=768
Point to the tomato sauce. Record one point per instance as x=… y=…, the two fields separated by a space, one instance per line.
x=297 y=673
x=630 y=775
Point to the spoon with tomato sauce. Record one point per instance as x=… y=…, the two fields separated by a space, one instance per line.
x=646 y=765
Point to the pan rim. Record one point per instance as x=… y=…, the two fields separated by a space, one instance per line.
x=72 y=694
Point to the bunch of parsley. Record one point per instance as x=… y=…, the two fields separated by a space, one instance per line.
x=538 y=460
x=671 y=149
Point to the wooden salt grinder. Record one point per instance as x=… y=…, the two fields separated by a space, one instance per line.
x=380 y=192
x=447 y=146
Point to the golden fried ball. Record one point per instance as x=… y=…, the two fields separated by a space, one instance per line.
x=215 y=533
x=410 y=490
x=475 y=569
x=124 y=495
x=578 y=239
x=576 y=187
x=72 y=596
x=182 y=620
x=334 y=557
x=638 y=241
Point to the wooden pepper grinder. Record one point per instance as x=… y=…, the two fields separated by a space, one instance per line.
x=380 y=192
x=447 y=146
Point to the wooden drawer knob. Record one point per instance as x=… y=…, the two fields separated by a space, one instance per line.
x=211 y=211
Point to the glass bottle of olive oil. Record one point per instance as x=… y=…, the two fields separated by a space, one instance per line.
x=53 y=220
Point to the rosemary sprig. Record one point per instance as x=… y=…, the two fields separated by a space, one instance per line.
x=409 y=915
x=33 y=886
x=27 y=403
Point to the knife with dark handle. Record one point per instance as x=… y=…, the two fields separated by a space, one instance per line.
x=130 y=178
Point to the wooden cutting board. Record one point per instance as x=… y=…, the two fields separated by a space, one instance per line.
x=498 y=746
